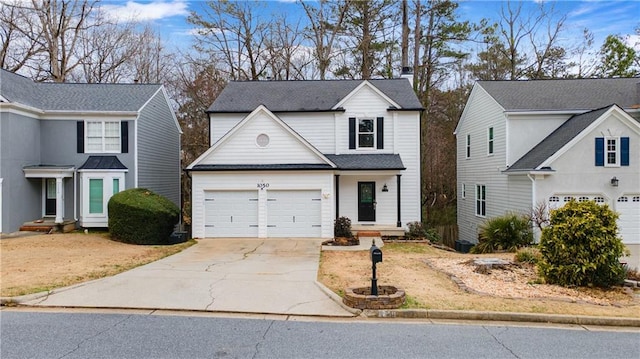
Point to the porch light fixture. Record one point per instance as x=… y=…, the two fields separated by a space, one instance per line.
x=614 y=181
x=385 y=188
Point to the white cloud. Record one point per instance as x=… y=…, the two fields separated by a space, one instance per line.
x=154 y=10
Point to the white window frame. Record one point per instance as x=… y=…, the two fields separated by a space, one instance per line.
x=468 y=147
x=103 y=136
x=615 y=151
x=373 y=133
x=490 y=141
x=481 y=191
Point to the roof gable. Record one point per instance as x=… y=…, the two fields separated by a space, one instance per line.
x=282 y=146
x=365 y=84
x=563 y=138
x=306 y=96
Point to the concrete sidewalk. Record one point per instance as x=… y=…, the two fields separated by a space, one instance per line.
x=271 y=276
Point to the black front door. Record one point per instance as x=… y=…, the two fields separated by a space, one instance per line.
x=50 y=197
x=366 y=201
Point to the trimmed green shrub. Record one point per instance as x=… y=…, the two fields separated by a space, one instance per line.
x=529 y=255
x=342 y=227
x=581 y=247
x=504 y=233
x=418 y=230
x=140 y=216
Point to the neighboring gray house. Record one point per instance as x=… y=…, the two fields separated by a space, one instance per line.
x=66 y=148
x=288 y=157
x=525 y=143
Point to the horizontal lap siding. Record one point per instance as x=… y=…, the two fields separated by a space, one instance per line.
x=481 y=113
x=317 y=128
x=159 y=149
x=19 y=147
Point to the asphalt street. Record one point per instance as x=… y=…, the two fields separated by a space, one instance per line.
x=89 y=335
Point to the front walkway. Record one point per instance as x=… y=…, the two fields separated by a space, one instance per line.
x=271 y=276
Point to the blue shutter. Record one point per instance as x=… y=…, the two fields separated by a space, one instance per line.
x=352 y=133
x=599 y=151
x=380 y=133
x=124 y=137
x=80 y=136
x=624 y=151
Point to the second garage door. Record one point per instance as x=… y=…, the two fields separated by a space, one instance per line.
x=231 y=214
x=628 y=208
x=293 y=214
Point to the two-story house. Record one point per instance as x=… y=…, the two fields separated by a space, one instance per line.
x=66 y=148
x=288 y=157
x=525 y=143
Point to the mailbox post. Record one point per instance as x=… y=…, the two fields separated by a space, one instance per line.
x=376 y=257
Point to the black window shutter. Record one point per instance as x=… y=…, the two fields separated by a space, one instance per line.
x=352 y=133
x=599 y=151
x=380 y=132
x=80 y=136
x=124 y=137
x=624 y=151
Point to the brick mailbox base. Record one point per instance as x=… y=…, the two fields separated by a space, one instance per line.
x=389 y=297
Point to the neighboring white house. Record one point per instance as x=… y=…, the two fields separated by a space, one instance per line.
x=288 y=157
x=522 y=143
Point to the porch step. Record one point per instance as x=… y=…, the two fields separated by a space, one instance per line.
x=364 y=234
x=28 y=228
x=48 y=226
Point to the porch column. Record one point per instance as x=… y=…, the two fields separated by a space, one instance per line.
x=337 y=185
x=59 y=203
x=399 y=223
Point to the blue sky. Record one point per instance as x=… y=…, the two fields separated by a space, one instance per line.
x=601 y=17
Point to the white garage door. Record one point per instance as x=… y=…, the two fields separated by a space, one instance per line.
x=231 y=214
x=629 y=221
x=293 y=214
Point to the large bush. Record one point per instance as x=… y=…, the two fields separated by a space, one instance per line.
x=581 y=246
x=140 y=216
x=417 y=230
x=342 y=228
x=505 y=233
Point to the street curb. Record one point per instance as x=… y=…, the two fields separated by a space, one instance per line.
x=503 y=316
x=6 y=301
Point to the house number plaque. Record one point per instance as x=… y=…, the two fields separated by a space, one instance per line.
x=263 y=185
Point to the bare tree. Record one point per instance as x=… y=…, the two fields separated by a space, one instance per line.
x=234 y=35
x=16 y=32
x=325 y=24
x=152 y=63
x=286 y=57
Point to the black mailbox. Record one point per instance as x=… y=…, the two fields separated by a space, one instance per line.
x=376 y=254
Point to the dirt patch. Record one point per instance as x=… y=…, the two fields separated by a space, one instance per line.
x=425 y=273
x=42 y=262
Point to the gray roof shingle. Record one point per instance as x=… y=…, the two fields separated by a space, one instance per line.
x=347 y=162
x=102 y=163
x=556 y=140
x=564 y=94
x=303 y=96
x=51 y=96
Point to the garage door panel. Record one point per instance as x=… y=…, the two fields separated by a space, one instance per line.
x=628 y=208
x=231 y=214
x=294 y=214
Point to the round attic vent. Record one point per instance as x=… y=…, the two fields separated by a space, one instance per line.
x=262 y=140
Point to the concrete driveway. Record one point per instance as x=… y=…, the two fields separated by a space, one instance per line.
x=275 y=276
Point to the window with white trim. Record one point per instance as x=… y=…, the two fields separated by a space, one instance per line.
x=366 y=133
x=464 y=191
x=598 y=199
x=568 y=199
x=554 y=199
x=468 y=146
x=612 y=152
x=490 y=141
x=583 y=199
x=102 y=137
x=481 y=200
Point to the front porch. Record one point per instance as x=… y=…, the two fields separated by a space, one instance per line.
x=49 y=225
x=368 y=230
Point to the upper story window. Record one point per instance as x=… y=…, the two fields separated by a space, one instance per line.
x=366 y=133
x=102 y=137
x=468 y=155
x=490 y=140
x=612 y=151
